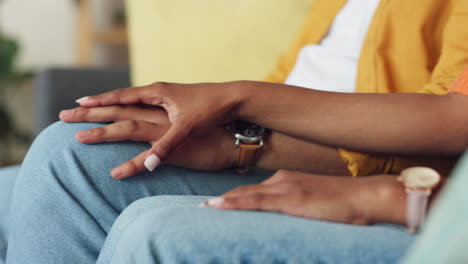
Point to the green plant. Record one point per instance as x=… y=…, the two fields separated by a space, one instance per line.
x=9 y=78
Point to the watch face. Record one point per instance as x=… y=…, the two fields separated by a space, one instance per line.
x=247 y=129
x=420 y=177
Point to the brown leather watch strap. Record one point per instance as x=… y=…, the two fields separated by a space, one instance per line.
x=246 y=156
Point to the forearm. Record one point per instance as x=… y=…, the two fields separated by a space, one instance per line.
x=286 y=152
x=389 y=123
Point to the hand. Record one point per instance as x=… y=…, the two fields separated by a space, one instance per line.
x=357 y=201
x=191 y=108
x=212 y=150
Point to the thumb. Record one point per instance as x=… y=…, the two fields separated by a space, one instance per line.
x=169 y=141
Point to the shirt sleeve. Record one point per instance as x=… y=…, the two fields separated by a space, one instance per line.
x=461 y=84
x=454 y=52
x=451 y=63
x=360 y=164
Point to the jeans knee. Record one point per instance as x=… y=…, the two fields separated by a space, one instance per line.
x=150 y=231
x=59 y=136
x=55 y=157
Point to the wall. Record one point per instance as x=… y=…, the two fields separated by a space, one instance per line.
x=46 y=30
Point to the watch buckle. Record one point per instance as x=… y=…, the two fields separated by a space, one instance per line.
x=238 y=143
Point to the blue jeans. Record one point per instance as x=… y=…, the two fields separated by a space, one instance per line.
x=65 y=204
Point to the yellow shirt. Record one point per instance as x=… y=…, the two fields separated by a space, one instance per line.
x=411 y=46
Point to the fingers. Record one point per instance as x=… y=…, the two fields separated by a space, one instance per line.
x=256 y=201
x=258 y=188
x=168 y=142
x=254 y=197
x=130 y=167
x=113 y=114
x=121 y=131
x=134 y=95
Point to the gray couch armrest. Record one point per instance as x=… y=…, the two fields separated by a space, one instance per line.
x=57 y=89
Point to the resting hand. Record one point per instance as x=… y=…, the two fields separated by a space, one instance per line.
x=212 y=150
x=190 y=107
x=339 y=199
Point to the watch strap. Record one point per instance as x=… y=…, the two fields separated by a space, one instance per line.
x=246 y=156
x=416 y=208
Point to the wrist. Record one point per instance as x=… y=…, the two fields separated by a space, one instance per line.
x=243 y=93
x=266 y=156
x=380 y=199
x=229 y=149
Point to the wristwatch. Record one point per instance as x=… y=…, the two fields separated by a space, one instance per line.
x=248 y=139
x=419 y=183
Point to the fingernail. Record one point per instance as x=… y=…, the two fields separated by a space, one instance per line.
x=152 y=162
x=117 y=173
x=82 y=99
x=201 y=205
x=216 y=201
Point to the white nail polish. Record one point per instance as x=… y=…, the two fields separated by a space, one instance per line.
x=152 y=162
x=82 y=99
x=216 y=201
x=201 y=205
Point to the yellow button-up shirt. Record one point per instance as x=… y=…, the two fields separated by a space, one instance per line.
x=417 y=46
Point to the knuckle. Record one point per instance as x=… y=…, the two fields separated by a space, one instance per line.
x=115 y=113
x=257 y=198
x=131 y=167
x=159 y=85
x=132 y=125
x=99 y=132
x=231 y=202
x=242 y=189
x=80 y=112
x=162 y=150
x=115 y=97
x=300 y=196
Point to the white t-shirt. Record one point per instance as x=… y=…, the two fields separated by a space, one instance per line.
x=332 y=64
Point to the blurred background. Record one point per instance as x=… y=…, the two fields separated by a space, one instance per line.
x=53 y=52
x=36 y=35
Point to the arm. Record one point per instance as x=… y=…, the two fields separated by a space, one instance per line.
x=285 y=152
x=409 y=123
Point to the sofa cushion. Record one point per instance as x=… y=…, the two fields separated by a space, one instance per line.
x=210 y=40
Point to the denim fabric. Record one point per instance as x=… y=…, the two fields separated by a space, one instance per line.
x=65 y=200
x=65 y=203
x=171 y=229
x=7 y=181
